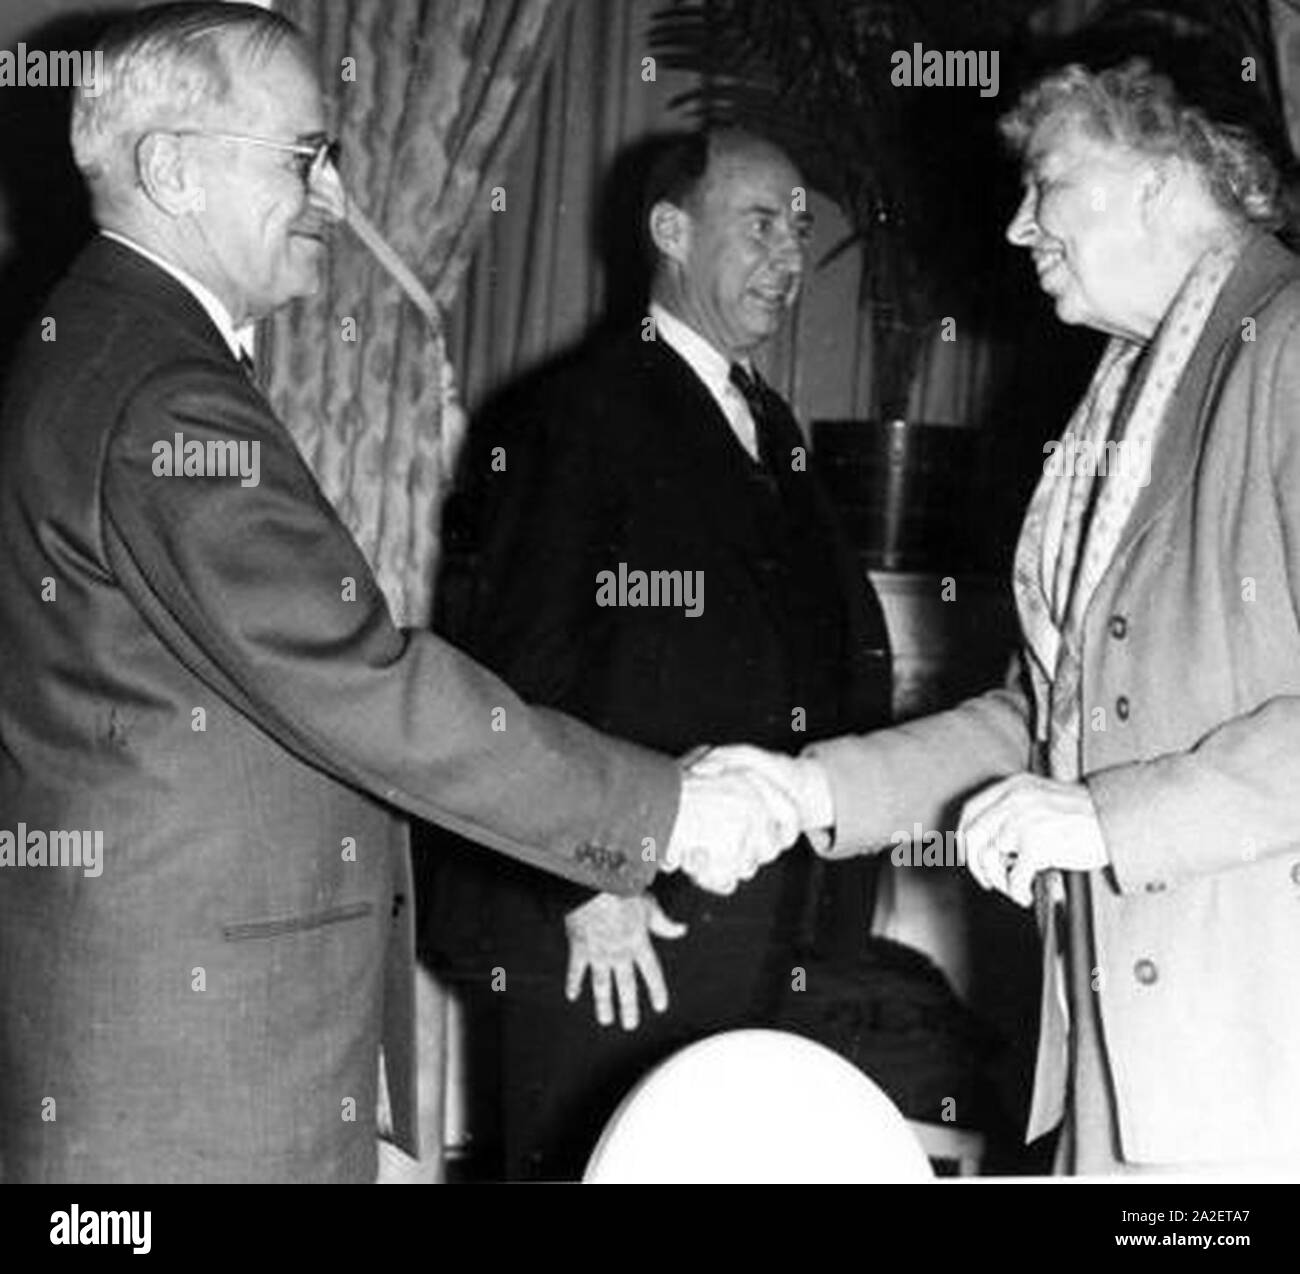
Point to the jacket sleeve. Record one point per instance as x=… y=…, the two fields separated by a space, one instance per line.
x=1235 y=796
x=884 y=782
x=259 y=590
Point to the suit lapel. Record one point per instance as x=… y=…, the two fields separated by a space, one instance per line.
x=713 y=468
x=716 y=477
x=713 y=474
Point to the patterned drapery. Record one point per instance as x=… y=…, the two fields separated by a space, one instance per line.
x=427 y=97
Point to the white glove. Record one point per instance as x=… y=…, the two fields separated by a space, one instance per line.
x=801 y=779
x=1025 y=824
x=729 y=824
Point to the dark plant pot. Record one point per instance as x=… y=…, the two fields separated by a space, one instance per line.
x=907 y=491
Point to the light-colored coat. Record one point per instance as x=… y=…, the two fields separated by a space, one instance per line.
x=1191 y=750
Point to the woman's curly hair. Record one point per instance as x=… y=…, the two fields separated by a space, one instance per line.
x=1134 y=105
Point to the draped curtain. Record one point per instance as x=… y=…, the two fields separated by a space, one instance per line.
x=428 y=98
x=535 y=283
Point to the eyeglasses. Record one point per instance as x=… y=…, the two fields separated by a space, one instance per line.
x=308 y=155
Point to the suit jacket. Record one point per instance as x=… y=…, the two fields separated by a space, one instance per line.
x=1191 y=686
x=205 y=672
x=625 y=459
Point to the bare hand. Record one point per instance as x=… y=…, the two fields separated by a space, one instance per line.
x=611 y=936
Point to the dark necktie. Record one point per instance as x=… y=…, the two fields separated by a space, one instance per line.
x=761 y=408
x=799 y=887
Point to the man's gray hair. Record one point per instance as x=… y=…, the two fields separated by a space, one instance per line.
x=1134 y=106
x=164 y=67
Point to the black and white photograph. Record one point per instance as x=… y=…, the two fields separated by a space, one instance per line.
x=651 y=592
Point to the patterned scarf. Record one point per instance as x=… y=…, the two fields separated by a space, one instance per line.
x=1063 y=552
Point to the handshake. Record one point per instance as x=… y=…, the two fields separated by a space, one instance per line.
x=742 y=807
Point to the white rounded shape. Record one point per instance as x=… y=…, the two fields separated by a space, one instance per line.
x=757 y=1107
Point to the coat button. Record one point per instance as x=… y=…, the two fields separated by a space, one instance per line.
x=1156 y=886
x=1145 y=972
x=1121 y=707
x=1295 y=873
x=1118 y=627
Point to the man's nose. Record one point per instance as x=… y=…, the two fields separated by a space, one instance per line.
x=788 y=250
x=325 y=193
x=1023 y=228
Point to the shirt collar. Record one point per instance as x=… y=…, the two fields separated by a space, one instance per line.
x=240 y=340
x=704 y=359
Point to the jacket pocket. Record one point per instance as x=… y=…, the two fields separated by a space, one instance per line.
x=276 y=928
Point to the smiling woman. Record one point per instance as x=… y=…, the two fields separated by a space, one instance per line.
x=1135 y=780
x=1105 y=157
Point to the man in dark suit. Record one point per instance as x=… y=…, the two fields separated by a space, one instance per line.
x=662 y=450
x=207 y=716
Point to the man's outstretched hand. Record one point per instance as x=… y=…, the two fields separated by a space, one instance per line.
x=611 y=936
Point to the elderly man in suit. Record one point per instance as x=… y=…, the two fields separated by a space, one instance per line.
x=1138 y=780
x=663 y=450
x=208 y=722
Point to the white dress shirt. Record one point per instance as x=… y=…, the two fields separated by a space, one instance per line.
x=713 y=368
x=240 y=339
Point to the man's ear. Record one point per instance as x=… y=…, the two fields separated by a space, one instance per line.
x=670 y=231
x=167 y=179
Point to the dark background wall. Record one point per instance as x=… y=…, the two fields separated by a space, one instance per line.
x=43 y=211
